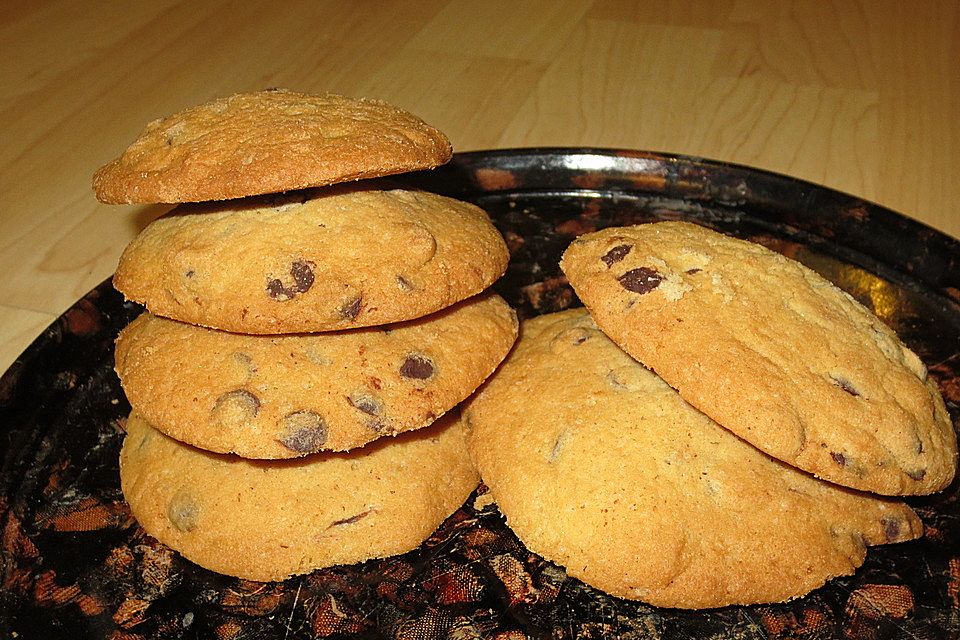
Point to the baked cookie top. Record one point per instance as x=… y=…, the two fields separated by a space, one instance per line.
x=771 y=351
x=270 y=520
x=320 y=260
x=288 y=396
x=267 y=142
x=598 y=465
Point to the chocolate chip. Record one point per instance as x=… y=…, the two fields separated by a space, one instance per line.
x=839 y=458
x=417 y=367
x=640 y=280
x=366 y=403
x=351 y=519
x=235 y=408
x=917 y=474
x=693 y=271
x=301 y=272
x=616 y=254
x=845 y=384
x=404 y=284
x=183 y=512
x=350 y=309
x=303 y=431
x=189 y=273
x=891 y=529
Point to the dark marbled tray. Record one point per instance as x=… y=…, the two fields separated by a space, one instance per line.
x=75 y=564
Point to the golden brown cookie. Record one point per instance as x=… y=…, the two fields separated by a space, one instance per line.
x=269 y=520
x=600 y=466
x=287 y=396
x=322 y=260
x=267 y=142
x=771 y=351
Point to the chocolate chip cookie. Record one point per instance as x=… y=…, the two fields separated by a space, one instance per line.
x=771 y=351
x=269 y=520
x=268 y=142
x=290 y=395
x=319 y=260
x=598 y=465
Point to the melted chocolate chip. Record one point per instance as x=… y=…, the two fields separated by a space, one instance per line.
x=845 y=384
x=301 y=272
x=640 y=280
x=417 y=367
x=183 y=512
x=839 y=458
x=616 y=254
x=693 y=271
x=189 y=273
x=917 y=474
x=303 y=431
x=350 y=309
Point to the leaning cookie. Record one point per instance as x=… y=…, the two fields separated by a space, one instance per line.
x=268 y=142
x=270 y=520
x=771 y=351
x=600 y=466
x=287 y=396
x=321 y=260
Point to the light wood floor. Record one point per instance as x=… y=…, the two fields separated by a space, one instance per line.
x=860 y=96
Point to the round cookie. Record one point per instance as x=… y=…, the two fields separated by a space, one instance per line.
x=270 y=520
x=267 y=142
x=600 y=466
x=771 y=351
x=312 y=261
x=287 y=396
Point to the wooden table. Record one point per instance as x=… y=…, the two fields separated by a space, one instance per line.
x=862 y=97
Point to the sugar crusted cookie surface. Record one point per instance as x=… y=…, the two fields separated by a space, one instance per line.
x=269 y=520
x=600 y=466
x=267 y=142
x=287 y=396
x=771 y=351
x=319 y=260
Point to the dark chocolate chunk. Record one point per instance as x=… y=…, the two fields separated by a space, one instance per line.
x=417 y=367
x=183 y=512
x=301 y=273
x=304 y=431
x=616 y=254
x=845 y=384
x=351 y=309
x=640 y=280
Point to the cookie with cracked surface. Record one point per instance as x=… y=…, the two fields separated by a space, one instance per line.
x=291 y=395
x=268 y=142
x=770 y=350
x=320 y=260
x=598 y=465
x=267 y=520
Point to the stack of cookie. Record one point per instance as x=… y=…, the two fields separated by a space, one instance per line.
x=749 y=473
x=293 y=323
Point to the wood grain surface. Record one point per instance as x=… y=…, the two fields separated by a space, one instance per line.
x=860 y=96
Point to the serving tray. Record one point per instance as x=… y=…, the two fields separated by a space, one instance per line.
x=75 y=564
